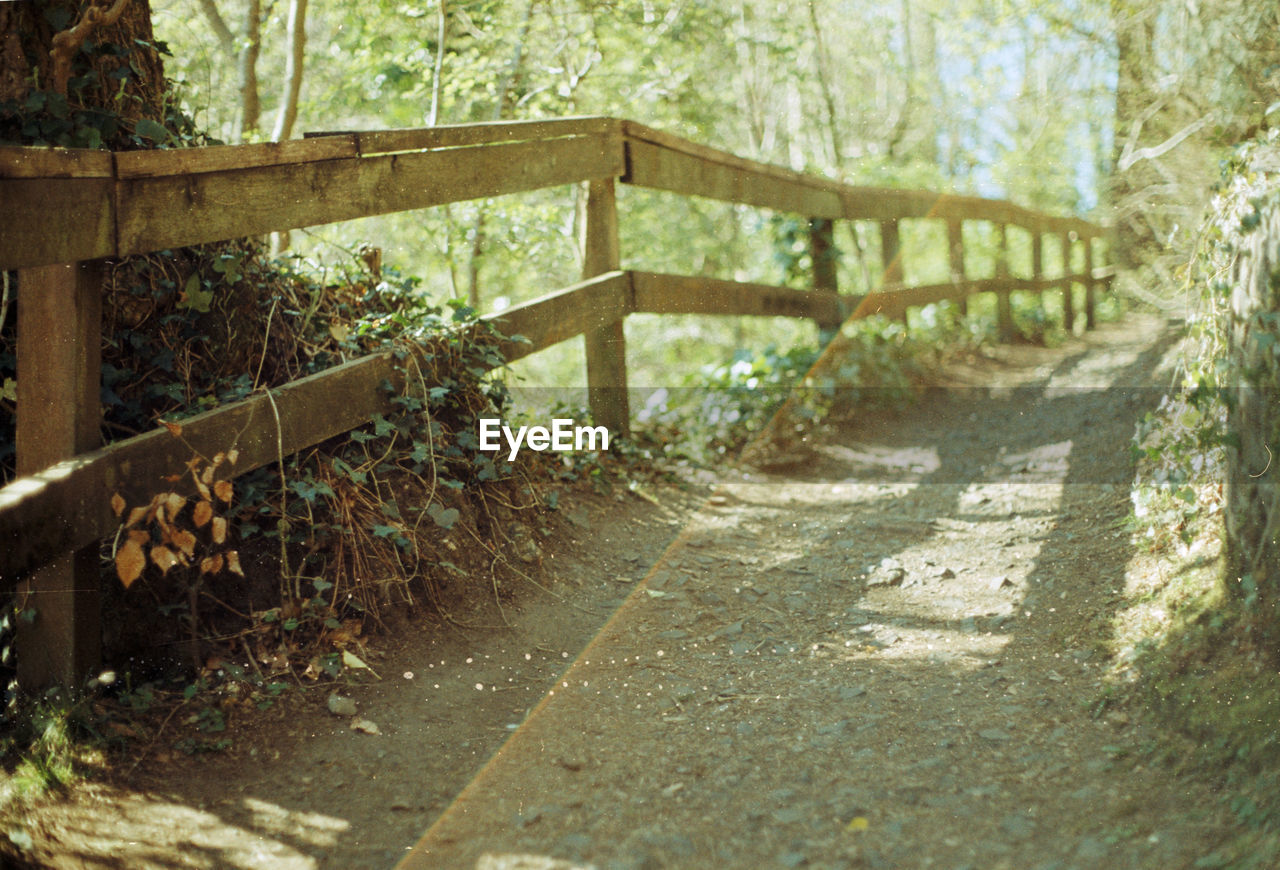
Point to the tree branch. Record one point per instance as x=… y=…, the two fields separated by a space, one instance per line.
x=218 y=25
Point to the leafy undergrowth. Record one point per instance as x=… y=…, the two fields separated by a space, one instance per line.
x=1187 y=643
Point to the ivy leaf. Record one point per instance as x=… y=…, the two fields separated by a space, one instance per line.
x=194 y=297
x=148 y=129
x=444 y=517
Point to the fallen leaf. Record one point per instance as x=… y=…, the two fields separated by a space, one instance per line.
x=364 y=726
x=858 y=823
x=351 y=660
x=117 y=504
x=130 y=560
x=175 y=429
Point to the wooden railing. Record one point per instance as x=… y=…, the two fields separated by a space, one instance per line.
x=64 y=212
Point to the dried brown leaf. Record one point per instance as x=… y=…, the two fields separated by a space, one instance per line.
x=130 y=560
x=219 y=458
x=206 y=476
x=117 y=504
x=203 y=490
x=233 y=563
x=175 y=429
x=211 y=564
x=163 y=558
x=223 y=490
x=136 y=515
x=232 y=455
x=174 y=502
x=202 y=514
x=185 y=541
x=140 y=536
x=219 y=530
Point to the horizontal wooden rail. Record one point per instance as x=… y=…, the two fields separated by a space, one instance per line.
x=67 y=505
x=680 y=294
x=66 y=210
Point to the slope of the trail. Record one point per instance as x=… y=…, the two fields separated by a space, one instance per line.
x=887 y=653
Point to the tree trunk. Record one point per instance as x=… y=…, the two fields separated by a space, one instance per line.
x=247 y=68
x=127 y=72
x=293 y=70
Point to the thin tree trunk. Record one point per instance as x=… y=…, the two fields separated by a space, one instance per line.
x=247 y=63
x=441 y=33
x=823 y=64
x=293 y=70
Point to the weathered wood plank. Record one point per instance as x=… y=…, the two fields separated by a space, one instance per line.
x=20 y=161
x=67 y=506
x=1090 y=288
x=459 y=135
x=606 y=344
x=955 y=258
x=654 y=166
x=59 y=376
x=219 y=158
x=566 y=313
x=893 y=302
x=1068 y=290
x=214 y=206
x=55 y=220
x=825 y=257
x=1004 y=304
x=658 y=293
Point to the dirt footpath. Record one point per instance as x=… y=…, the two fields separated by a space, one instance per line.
x=887 y=654
x=885 y=651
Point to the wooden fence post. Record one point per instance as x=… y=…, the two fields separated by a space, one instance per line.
x=1004 y=306
x=891 y=258
x=822 y=251
x=1090 y=292
x=1037 y=262
x=606 y=345
x=1068 y=290
x=955 y=257
x=58 y=415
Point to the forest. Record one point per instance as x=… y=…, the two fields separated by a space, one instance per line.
x=239 y=589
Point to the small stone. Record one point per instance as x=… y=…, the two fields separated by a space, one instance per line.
x=718 y=500
x=364 y=726
x=1020 y=826
x=730 y=630
x=888 y=573
x=340 y=706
